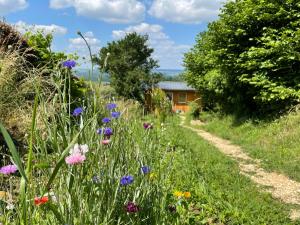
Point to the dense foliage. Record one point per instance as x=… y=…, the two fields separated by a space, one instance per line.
x=248 y=60
x=28 y=65
x=130 y=65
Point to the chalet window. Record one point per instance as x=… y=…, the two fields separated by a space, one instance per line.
x=182 y=97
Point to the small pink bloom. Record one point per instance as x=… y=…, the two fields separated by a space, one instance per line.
x=9 y=169
x=105 y=142
x=75 y=159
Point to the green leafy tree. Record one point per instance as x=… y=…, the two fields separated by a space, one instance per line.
x=248 y=60
x=129 y=63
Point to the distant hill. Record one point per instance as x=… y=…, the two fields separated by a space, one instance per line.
x=168 y=74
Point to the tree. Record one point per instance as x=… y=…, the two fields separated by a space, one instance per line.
x=248 y=60
x=129 y=63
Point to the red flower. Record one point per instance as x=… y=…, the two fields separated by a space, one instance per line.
x=41 y=201
x=131 y=207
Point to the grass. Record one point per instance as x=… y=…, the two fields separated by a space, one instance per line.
x=275 y=143
x=189 y=181
x=221 y=194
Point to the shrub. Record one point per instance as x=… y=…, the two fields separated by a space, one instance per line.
x=247 y=61
x=162 y=105
x=194 y=110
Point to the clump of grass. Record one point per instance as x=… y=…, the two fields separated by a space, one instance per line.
x=18 y=86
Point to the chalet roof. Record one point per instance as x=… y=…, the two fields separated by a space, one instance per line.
x=174 y=86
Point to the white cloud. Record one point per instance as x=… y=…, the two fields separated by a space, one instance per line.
x=60 y=4
x=78 y=44
x=186 y=11
x=167 y=52
x=112 y=11
x=23 y=27
x=8 y=6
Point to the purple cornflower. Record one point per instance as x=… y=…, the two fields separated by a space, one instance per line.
x=126 y=180
x=77 y=111
x=145 y=169
x=106 y=131
x=106 y=120
x=115 y=114
x=147 y=126
x=111 y=106
x=69 y=64
x=131 y=207
x=9 y=169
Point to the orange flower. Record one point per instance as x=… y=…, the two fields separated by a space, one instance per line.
x=187 y=194
x=41 y=201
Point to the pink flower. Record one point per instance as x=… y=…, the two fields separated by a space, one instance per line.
x=105 y=142
x=9 y=169
x=76 y=158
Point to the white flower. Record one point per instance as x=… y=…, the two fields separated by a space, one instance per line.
x=79 y=149
x=10 y=206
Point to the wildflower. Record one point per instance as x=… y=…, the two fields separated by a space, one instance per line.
x=115 y=114
x=78 y=111
x=10 y=206
x=75 y=159
x=69 y=64
x=111 y=106
x=105 y=142
x=178 y=194
x=96 y=179
x=79 y=149
x=106 y=120
x=131 y=207
x=126 y=180
x=106 y=131
x=41 y=201
x=9 y=169
x=147 y=126
x=145 y=169
x=187 y=194
x=152 y=176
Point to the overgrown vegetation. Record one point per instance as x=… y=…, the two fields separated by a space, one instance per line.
x=248 y=61
x=28 y=66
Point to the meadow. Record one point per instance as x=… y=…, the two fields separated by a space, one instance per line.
x=101 y=161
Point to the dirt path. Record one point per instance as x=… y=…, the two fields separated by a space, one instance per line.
x=280 y=186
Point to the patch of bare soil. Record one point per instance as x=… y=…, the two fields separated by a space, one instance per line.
x=280 y=186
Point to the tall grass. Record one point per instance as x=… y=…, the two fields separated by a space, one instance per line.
x=89 y=193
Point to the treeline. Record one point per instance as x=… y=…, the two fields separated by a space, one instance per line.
x=248 y=61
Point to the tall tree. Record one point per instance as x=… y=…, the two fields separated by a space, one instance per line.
x=130 y=65
x=249 y=58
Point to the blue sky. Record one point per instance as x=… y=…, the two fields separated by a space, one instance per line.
x=172 y=25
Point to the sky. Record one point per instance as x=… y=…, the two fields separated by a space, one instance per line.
x=172 y=25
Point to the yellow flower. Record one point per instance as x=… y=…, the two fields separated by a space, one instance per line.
x=187 y=194
x=178 y=194
x=152 y=176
